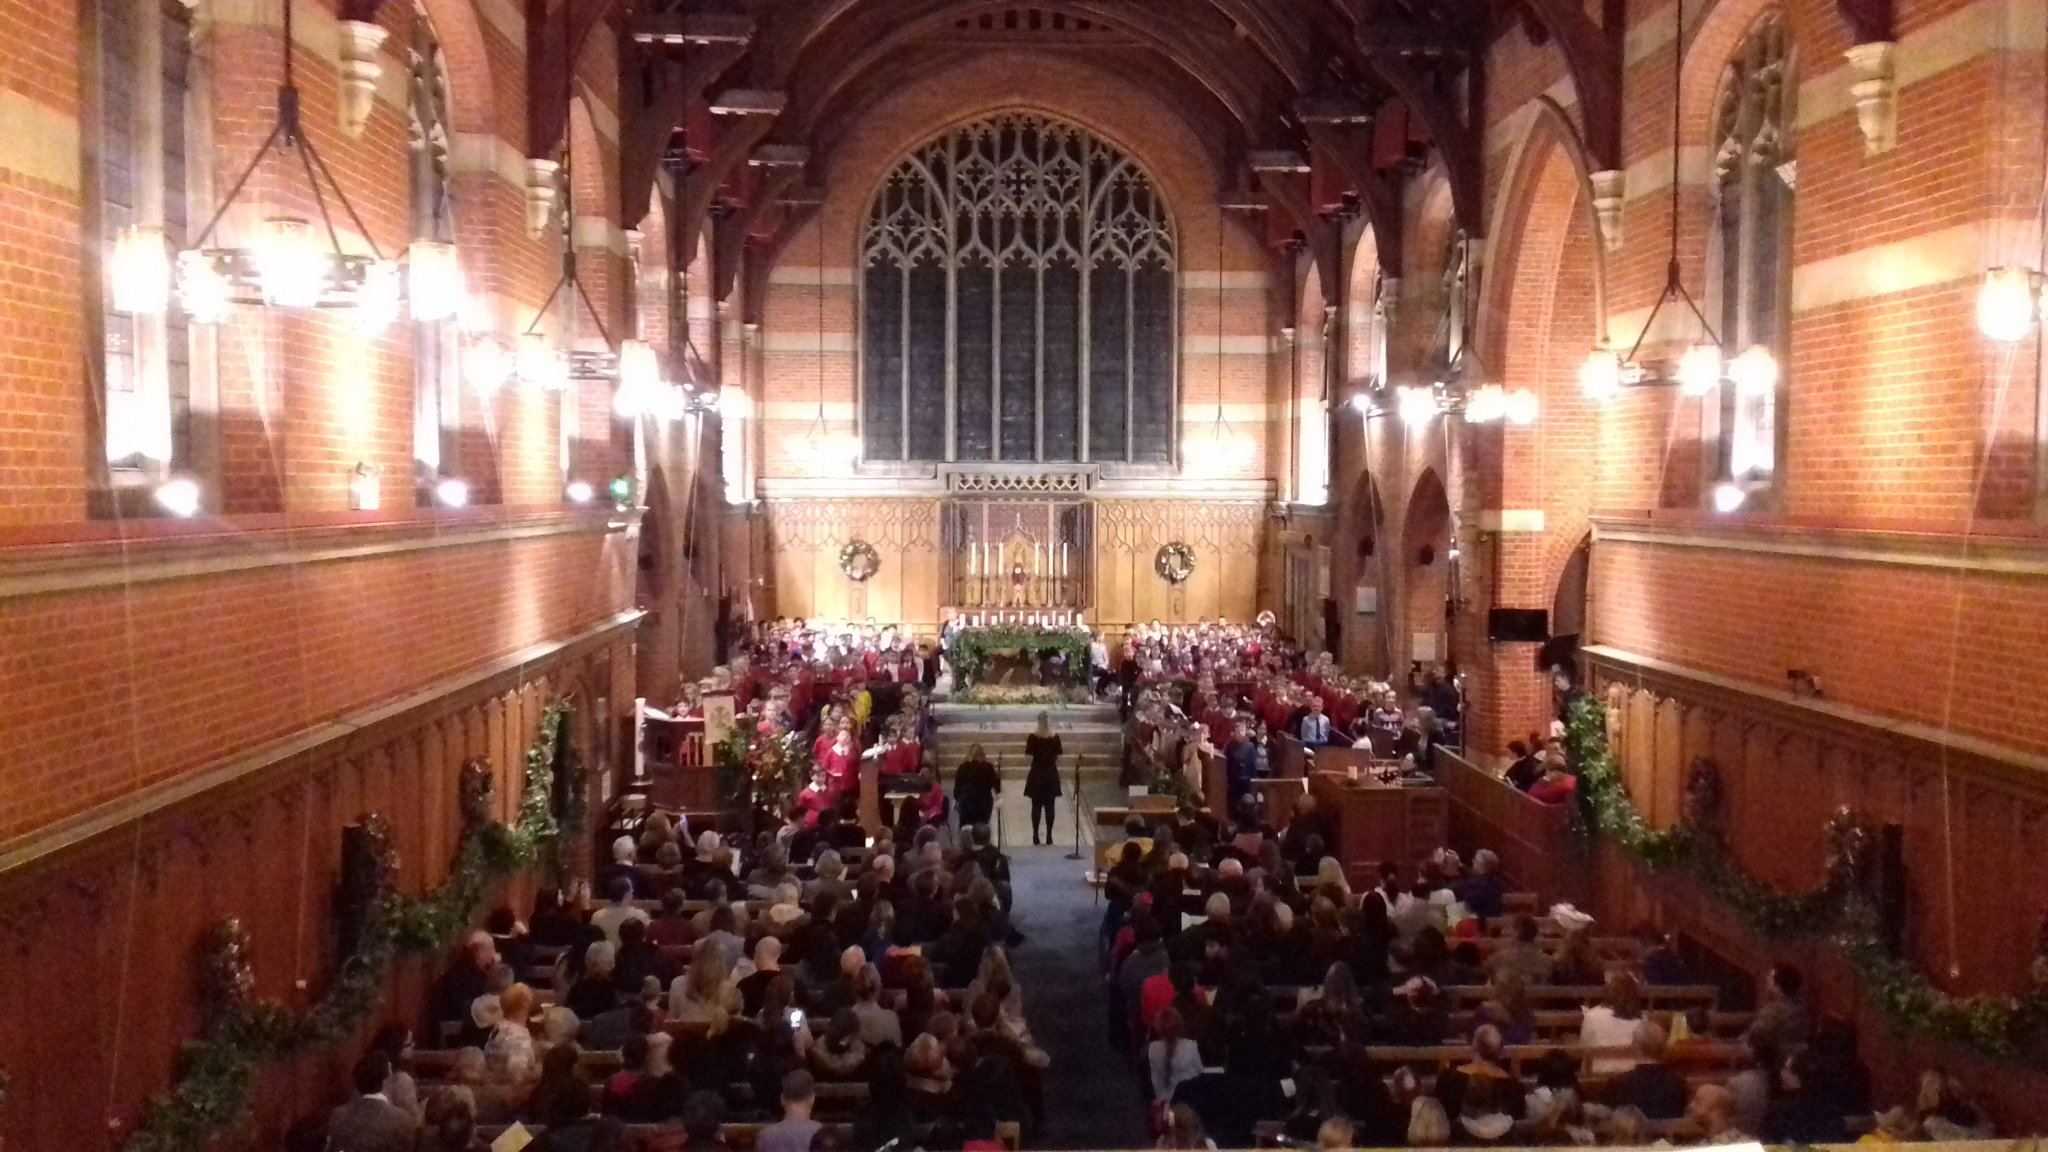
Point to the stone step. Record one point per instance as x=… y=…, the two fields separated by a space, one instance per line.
x=1061 y=715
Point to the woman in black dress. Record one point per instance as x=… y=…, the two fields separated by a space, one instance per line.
x=975 y=785
x=1042 y=783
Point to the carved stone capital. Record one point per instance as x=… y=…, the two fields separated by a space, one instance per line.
x=1876 y=92
x=1609 y=192
x=360 y=71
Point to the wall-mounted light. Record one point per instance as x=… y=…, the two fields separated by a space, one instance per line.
x=1728 y=496
x=579 y=491
x=452 y=493
x=621 y=490
x=2005 y=304
x=179 y=496
x=365 y=490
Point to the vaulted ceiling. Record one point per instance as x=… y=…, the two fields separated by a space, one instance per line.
x=1308 y=107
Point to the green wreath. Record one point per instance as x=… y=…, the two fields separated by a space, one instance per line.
x=860 y=561
x=1175 y=563
x=2004 y=1028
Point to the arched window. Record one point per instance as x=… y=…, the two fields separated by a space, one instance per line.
x=146 y=168
x=1018 y=302
x=1751 y=250
x=436 y=350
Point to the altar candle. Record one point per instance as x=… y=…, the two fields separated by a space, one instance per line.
x=1063 y=558
x=973 y=562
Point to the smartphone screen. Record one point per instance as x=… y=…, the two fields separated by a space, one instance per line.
x=796 y=1017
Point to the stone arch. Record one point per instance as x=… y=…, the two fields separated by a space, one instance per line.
x=1116 y=108
x=472 y=94
x=1715 y=35
x=1366 y=553
x=1311 y=455
x=654 y=591
x=1548 y=162
x=1362 y=344
x=1571 y=599
x=1425 y=571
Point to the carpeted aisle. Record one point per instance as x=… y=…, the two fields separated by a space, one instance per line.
x=1092 y=1099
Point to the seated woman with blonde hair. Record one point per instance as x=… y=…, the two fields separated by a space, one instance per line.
x=705 y=994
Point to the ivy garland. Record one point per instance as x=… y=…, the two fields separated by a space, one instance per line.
x=972 y=648
x=2003 y=1028
x=217 y=1071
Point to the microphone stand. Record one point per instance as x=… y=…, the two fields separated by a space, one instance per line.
x=1076 y=853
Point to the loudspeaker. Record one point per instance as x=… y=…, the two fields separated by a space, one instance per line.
x=1888 y=881
x=1517 y=625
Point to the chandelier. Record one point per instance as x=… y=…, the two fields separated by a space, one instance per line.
x=1699 y=368
x=292 y=261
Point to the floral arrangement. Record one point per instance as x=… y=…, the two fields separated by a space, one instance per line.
x=972 y=648
x=217 y=1071
x=860 y=561
x=2011 y=1028
x=757 y=771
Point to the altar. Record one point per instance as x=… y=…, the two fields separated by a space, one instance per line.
x=1019 y=654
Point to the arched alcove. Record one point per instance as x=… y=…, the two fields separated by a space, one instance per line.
x=1425 y=562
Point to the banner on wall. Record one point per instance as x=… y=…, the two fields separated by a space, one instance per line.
x=718 y=718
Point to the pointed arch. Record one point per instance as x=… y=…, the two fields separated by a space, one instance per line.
x=472 y=96
x=1425 y=570
x=1533 y=179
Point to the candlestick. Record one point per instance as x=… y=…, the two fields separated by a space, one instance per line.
x=973 y=562
x=1063 y=559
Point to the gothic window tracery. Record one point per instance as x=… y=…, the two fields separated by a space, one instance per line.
x=1018 y=284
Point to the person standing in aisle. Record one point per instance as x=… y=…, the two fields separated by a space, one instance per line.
x=1042 y=782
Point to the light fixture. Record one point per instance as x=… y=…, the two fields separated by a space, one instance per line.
x=293 y=262
x=1755 y=372
x=640 y=387
x=1360 y=402
x=452 y=492
x=1600 y=373
x=734 y=403
x=1417 y=405
x=1490 y=403
x=179 y=496
x=1728 y=496
x=433 y=279
x=2005 y=304
x=486 y=365
x=140 y=273
x=365 y=490
x=621 y=490
x=1698 y=370
x=579 y=491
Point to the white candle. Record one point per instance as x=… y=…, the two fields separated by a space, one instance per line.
x=973 y=562
x=1063 y=559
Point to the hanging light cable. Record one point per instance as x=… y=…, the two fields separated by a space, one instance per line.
x=1698 y=369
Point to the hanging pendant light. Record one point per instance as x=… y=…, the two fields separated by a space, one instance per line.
x=140 y=272
x=1699 y=369
x=293 y=261
x=1600 y=374
x=433 y=280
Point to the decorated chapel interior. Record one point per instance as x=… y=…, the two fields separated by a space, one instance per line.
x=890 y=575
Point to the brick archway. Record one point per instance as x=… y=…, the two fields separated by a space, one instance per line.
x=472 y=95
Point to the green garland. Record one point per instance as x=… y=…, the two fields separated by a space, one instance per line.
x=2004 y=1028
x=218 y=1070
x=971 y=649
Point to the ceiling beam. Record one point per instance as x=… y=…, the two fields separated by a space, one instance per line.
x=1348 y=144
x=680 y=79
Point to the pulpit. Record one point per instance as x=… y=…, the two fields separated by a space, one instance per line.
x=1380 y=823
